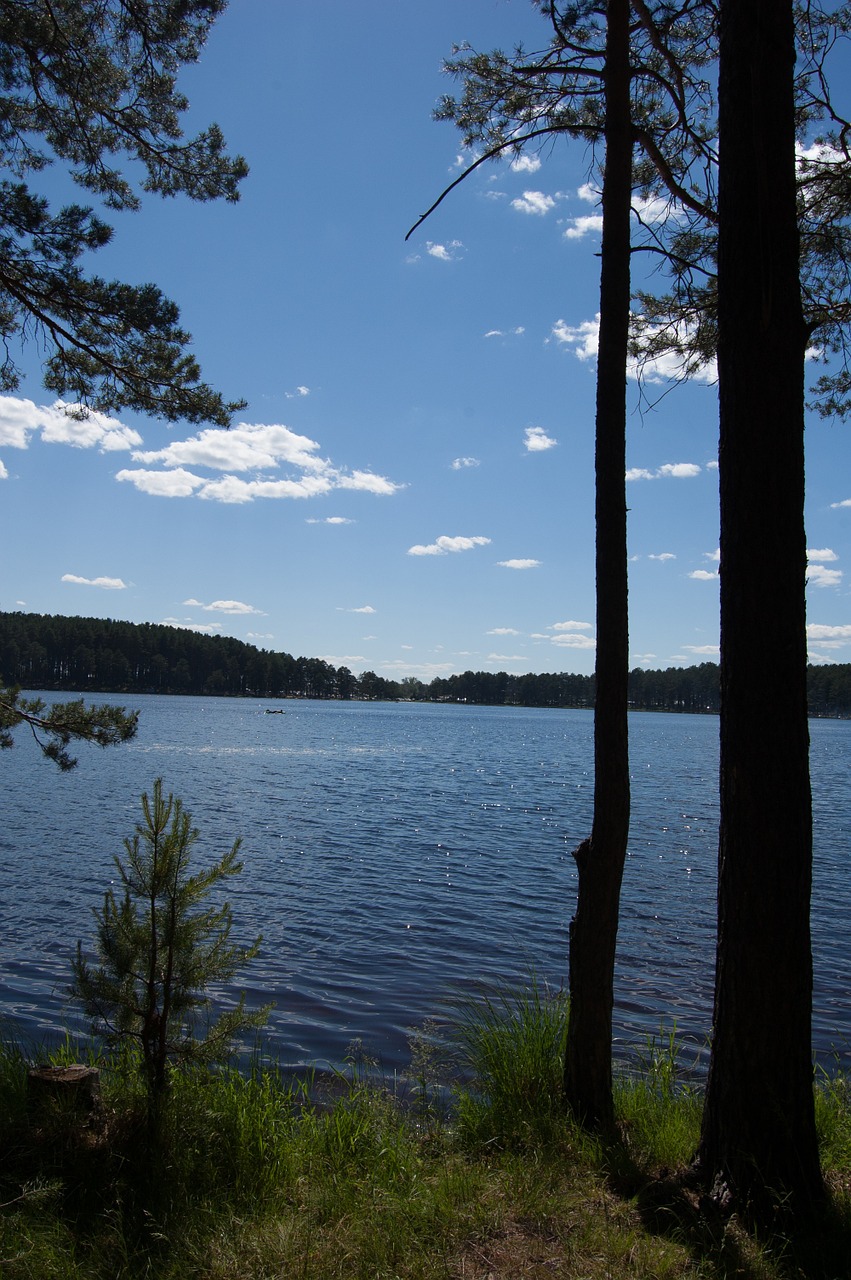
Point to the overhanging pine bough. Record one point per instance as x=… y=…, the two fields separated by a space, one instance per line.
x=55 y=727
x=88 y=83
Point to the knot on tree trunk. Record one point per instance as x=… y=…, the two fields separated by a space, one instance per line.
x=581 y=853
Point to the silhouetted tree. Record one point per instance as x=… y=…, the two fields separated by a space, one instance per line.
x=618 y=74
x=758 y=1147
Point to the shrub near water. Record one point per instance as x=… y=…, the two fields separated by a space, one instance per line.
x=513 y=1042
x=160 y=945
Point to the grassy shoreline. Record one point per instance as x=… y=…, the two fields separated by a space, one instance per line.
x=252 y=1175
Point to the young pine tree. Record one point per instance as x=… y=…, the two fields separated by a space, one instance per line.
x=160 y=945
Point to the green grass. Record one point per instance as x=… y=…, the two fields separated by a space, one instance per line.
x=512 y=1044
x=659 y=1109
x=253 y=1177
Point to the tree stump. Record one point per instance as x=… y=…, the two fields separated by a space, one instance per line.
x=73 y=1091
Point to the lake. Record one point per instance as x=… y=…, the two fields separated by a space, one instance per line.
x=399 y=855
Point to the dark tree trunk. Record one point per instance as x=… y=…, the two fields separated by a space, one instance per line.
x=600 y=860
x=758 y=1144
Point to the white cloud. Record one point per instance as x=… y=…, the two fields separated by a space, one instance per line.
x=4 y=474
x=460 y=464
x=299 y=391
x=817 y=153
x=203 y=628
x=163 y=484
x=367 y=482
x=233 y=489
x=445 y=545
x=57 y=424
x=706 y=650
x=583 y=226
x=108 y=584
x=364 y=608
x=585 y=223
x=846 y=502
x=259 y=635
x=424 y=671
x=583 y=339
x=244 y=447
x=525 y=164
x=649 y=209
x=518 y=564
x=573 y=640
x=671 y=368
x=571 y=625
x=664 y=555
x=829 y=637
x=444 y=253
x=247 y=448
x=536 y=440
x=506 y=333
x=653 y=208
x=534 y=202
x=505 y=657
x=328 y=520
x=680 y=470
x=819 y=576
x=704 y=575
x=235 y=607
x=502 y=631
x=669 y=470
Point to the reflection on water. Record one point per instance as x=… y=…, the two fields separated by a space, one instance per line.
x=396 y=854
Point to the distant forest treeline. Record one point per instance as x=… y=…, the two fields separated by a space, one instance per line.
x=41 y=651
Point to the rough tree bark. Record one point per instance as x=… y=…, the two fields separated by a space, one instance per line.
x=758 y=1145
x=600 y=859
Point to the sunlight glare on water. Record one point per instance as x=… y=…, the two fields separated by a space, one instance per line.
x=398 y=854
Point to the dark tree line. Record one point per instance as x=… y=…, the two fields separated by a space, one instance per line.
x=84 y=655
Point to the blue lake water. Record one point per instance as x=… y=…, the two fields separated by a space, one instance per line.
x=399 y=854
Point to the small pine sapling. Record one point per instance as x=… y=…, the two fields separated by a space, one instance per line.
x=159 y=946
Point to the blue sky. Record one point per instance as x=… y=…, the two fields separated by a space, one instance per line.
x=410 y=489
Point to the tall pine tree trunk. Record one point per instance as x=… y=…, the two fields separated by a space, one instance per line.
x=758 y=1143
x=600 y=859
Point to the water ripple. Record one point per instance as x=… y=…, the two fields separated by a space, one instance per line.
x=398 y=854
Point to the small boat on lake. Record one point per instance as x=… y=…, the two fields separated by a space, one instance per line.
x=274 y=711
